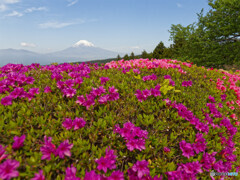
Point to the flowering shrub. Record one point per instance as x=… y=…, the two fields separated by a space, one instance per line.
x=137 y=119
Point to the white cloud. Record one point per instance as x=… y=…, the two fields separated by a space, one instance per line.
x=72 y=2
x=179 y=5
x=3 y=7
x=3 y=4
x=55 y=25
x=83 y=43
x=29 y=10
x=9 y=1
x=135 y=47
x=14 y=13
x=24 y=44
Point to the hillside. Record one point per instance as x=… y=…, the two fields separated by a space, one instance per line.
x=137 y=119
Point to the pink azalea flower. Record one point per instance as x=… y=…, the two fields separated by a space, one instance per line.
x=6 y=101
x=64 y=149
x=141 y=167
x=47 y=89
x=104 y=80
x=107 y=162
x=92 y=176
x=112 y=90
x=69 y=83
x=103 y=99
x=34 y=91
x=68 y=123
x=8 y=169
x=116 y=175
x=80 y=100
x=78 y=123
x=30 y=80
x=16 y=92
x=48 y=148
x=102 y=164
x=18 y=142
x=69 y=92
x=39 y=176
x=166 y=149
x=186 y=148
x=71 y=173
x=2 y=153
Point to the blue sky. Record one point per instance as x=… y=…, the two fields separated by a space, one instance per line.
x=118 y=25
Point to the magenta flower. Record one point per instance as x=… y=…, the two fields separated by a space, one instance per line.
x=192 y=168
x=68 y=123
x=47 y=89
x=2 y=153
x=166 y=149
x=69 y=83
x=39 y=176
x=103 y=99
x=18 y=142
x=112 y=90
x=80 y=100
x=141 y=167
x=107 y=162
x=139 y=95
x=89 y=102
x=146 y=93
x=155 y=92
x=187 y=83
x=223 y=97
x=30 y=80
x=102 y=164
x=104 y=80
x=208 y=160
x=186 y=148
x=136 y=71
x=48 y=148
x=211 y=99
x=131 y=144
x=140 y=144
x=69 y=92
x=167 y=77
x=92 y=175
x=78 y=123
x=71 y=173
x=8 y=169
x=116 y=175
x=16 y=92
x=64 y=149
x=34 y=91
x=6 y=101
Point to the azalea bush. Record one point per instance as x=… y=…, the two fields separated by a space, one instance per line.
x=137 y=119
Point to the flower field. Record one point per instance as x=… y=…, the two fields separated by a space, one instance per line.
x=137 y=119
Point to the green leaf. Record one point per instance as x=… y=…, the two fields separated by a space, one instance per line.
x=171 y=166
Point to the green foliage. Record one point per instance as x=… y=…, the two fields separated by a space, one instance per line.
x=159 y=50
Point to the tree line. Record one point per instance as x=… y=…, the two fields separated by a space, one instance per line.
x=212 y=41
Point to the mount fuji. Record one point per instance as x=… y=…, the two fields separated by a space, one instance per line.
x=79 y=52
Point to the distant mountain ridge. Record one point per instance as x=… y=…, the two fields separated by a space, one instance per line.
x=81 y=51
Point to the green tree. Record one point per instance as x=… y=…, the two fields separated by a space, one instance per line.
x=118 y=57
x=214 y=40
x=158 y=51
x=132 y=56
x=126 y=57
x=144 y=54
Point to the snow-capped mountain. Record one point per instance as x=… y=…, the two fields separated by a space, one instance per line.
x=79 y=52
